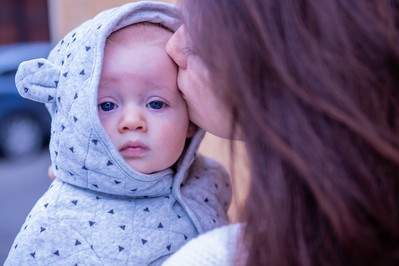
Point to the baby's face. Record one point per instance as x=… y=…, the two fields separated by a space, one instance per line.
x=140 y=106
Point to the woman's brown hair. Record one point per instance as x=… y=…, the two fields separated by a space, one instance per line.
x=314 y=87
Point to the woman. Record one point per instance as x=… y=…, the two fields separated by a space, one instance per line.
x=312 y=88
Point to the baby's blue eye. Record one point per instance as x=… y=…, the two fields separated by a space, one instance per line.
x=156 y=104
x=107 y=106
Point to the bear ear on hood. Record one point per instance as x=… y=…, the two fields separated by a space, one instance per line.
x=37 y=80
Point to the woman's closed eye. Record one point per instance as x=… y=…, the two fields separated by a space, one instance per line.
x=107 y=106
x=188 y=51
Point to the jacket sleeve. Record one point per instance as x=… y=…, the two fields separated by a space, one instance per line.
x=45 y=240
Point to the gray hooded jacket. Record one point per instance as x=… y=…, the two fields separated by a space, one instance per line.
x=99 y=211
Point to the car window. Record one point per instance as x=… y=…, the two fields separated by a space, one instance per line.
x=10 y=72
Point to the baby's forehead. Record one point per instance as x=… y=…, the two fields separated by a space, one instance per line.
x=143 y=31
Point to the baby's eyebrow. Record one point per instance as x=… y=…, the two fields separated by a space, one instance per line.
x=164 y=89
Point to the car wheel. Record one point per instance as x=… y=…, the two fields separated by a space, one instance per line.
x=20 y=136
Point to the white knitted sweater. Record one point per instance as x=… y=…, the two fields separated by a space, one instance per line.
x=214 y=248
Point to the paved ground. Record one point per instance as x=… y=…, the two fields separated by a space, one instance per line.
x=21 y=184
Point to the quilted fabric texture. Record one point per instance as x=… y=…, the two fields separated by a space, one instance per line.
x=99 y=211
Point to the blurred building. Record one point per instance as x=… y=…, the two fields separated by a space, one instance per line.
x=23 y=21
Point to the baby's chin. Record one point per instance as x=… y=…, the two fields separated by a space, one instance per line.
x=148 y=169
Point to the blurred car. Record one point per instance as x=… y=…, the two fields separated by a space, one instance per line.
x=24 y=124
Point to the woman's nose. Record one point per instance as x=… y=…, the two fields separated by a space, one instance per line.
x=175 y=48
x=132 y=120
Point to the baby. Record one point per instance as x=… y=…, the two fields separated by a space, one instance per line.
x=130 y=188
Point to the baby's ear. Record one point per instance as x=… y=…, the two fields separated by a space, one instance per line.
x=192 y=128
x=37 y=80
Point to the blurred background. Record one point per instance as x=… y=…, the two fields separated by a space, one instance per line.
x=29 y=29
x=24 y=125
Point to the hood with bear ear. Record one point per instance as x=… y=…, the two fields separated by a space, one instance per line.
x=67 y=81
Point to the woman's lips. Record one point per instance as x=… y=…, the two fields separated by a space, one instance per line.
x=133 y=149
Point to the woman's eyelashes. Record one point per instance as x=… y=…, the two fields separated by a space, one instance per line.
x=187 y=51
x=107 y=106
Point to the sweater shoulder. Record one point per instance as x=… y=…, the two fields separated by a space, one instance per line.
x=214 y=248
